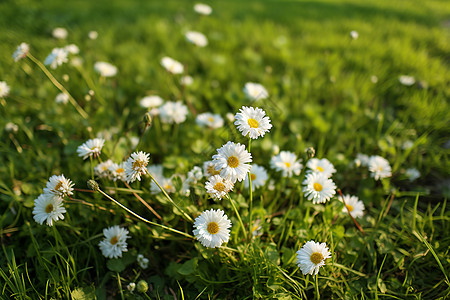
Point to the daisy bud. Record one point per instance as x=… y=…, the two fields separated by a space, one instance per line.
x=310 y=151
x=92 y=184
x=142 y=286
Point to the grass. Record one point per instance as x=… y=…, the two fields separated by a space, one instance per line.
x=321 y=96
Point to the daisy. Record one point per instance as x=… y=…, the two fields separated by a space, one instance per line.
x=412 y=174
x=230 y=117
x=210 y=120
x=173 y=112
x=115 y=242
x=209 y=169
x=218 y=187
x=187 y=80
x=62 y=98
x=60 y=33
x=361 y=160
x=354 y=34
x=4 y=89
x=172 y=65
x=48 y=207
x=202 y=9
x=93 y=35
x=318 y=188
x=142 y=261
x=151 y=102
x=196 y=38
x=232 y=159
x=72 y=49
x=379 y=167
x=406 y=80
x=131 y=286
x=312 y=256
x=21 y=52
x=258 y=175
x=105 y=69
x=59 y=186
x=92 y=147
x=136 y=165
x=287 y=163
x=11 y=127
x=117 y=171
x=157 y=173
x=102 y=169
x=56 y=58
x=353 y=205
x=321 y=166
x=211 y=228
x=255 y=91
x=252 y=121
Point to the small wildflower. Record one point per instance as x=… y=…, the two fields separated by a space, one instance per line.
x=117 y=171
x=102 y=169
x=202 y=9
x=60 y=33
x=323 y=166
x=318 y=188
x=218 y=187
x=353 y=205
x=211 y=228
x=379 y=167
x=48 y=207
x=312 y=256
x=4 y=89
x=354 y=34
x=142 y=261
x=255 y=91
x=258 y=175
x=210 y=120
x=62 y=98
x=93 y=35
x=252 y=122
x=92 y=147
x=131 y=286
x=151 y=102
x=186 y=80
x=172 y=65
x=105 y=69
x=56 y=58
x=209 y=169
x=287 y=163
x=21 y=52
x=196 y=38
x=59 y=185
x=406 y=80
x=136 y=165
x=412 y=174
x=232 y=159
x=173 y=112
x=114 y=242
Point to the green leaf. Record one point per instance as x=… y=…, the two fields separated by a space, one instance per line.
x=86 y=293
x=188 y=267
x=115 y=265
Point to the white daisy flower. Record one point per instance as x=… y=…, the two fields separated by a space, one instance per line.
x=196 y=38
x=318 y=188
x=406 y=80
x=230 y=117
x=312 y=256
x=62 y=98
x=142 y=261
x=252 y=121
x=151 y=102
x=186 y=80
x=93 y=35
x=211 y=228
x=210 y=120
x=255 y=91
x=232 y=159
x=353 y=205
x=48 y=207
x=105 y=69
x=323 y=166
x=209 y=169
x=136 y=165
x=157 y=173
x=354 y=34
x=72 y=49
x=131 y=286
x=258 y=175
x=21 y=52
x=60 y=33
x=202 y=9
x=374 y=79
x=287 y=163
x=412 y=174
x=361 y=160
x=379 y=167
x=59 y=185
x=173 y=112
x=117 y=171
x=11 y=127
x=4 y=89
x=172 y=65
x=92 y=147
x=218 y=187
x=115 y=242
x=102 y=169
x=195 y=174
x=56 y=58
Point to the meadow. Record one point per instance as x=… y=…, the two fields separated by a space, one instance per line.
x=354 y=102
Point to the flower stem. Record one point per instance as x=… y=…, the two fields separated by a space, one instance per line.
x=317 y=286
x=59 y=86
x=238 y=215
x=251 y=194
x=143 y=201
x=356 y=223
x=170 y=199
x=92 y=167
x=141 y=218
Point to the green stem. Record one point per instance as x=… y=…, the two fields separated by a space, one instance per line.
x=58 y=85
x=238 y=215
x=120 y=286
x=251 y=194
x=143 y=219
x=92 y=168
x=317 y=286
x=170 y=199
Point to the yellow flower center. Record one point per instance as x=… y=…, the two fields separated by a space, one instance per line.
x=114 y=240
x=317 y=186
x=213 y=228
x=288 y=165
x=167 y=187
x=220 y=187
x=252 y=176
x=233 y=161
x=49 y=208
x=212 y=171
x=316 y=258
x=120 y=170
x=320 y=169
x=253 y=123
x=349 y=207
x=58 y=186
x=211 y=119
x=138 y=164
